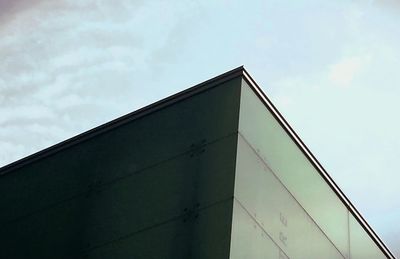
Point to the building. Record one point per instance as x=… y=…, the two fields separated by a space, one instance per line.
x=212 y=172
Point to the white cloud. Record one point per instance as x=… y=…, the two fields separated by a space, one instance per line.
x=343 y=72
x=73 y=65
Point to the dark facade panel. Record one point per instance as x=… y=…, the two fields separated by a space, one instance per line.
x=142 y=143
x=203 y=234
x=152 y=196
x=138 y=175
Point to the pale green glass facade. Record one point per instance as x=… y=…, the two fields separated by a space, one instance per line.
x=292 y=202
x=209 y=173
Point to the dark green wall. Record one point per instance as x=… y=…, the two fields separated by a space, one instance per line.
x=160 y=186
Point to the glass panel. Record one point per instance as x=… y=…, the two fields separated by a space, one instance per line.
x=150 y=197
x=201 y=234
x=204 y=235
x=261 y=193
x=248 y=239
x=361 y=245
x=258 y=126
x=185 y=126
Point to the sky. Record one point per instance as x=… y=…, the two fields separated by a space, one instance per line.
x=330 y=67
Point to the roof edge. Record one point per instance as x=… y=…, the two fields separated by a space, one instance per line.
x=196 y=89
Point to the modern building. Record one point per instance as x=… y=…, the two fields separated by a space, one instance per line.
x=212 y=172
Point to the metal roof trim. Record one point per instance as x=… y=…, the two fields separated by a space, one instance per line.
x=196 y=89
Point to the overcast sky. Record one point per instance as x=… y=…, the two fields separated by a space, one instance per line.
x=331 y=68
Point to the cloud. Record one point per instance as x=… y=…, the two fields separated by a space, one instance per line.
x=8 y=9
x=65 y=62
x=392 y=5
x=343 y=72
